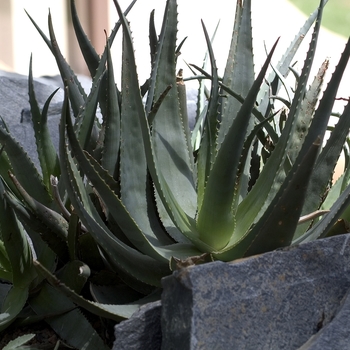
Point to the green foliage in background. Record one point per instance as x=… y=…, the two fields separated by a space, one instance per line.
x=336 y=15
x=134 y=195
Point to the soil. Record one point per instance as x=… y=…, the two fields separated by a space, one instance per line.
x=45 y=337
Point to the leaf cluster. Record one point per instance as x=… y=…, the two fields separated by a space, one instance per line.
x=132 y=196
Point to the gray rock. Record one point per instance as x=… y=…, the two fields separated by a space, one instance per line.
x=141 y=331
x=273 y=301
x=335 y=335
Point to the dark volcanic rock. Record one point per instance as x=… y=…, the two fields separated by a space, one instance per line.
x=141 y=331
x=336 y=334
x=273 y=301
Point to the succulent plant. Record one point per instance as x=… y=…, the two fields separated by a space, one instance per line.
x=137 y=194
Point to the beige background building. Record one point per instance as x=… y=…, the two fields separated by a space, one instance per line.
x=19 y=38
x=271 y=19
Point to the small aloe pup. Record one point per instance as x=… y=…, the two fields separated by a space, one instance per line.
x=131 y=197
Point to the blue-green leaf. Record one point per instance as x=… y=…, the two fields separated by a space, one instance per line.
x=216 y=219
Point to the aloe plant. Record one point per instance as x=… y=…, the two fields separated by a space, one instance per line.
x=138 y=194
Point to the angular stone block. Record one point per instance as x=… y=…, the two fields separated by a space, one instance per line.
x=141 y=331
x=277 y=300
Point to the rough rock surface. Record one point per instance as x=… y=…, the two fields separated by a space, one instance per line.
x=336 y=334
x=141 y=331
x=273 y=301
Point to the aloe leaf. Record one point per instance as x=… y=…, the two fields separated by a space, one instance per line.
x=145 y=240
x=168 y=128
x=77 y=93
x=4 y=289
x=257 y=114
x=197 y=132
x=72 y=237
x=74 y=274
x=178 y=216
x=135 y=187
x=121 y=256
x=47 y=216
x=46 y=150
x=266 y=186
x=283 y=65
x=109 y=311
x=320 y=121
x=30 y=220
x=5 y=264
x=156 y=59
x=182 y=96
x=321 y=228
x=336 y=190
x=327 y=160
x=18 y=342
x=69 y=326
x=156 y=105
x=201 y=108
x=12 y=305
x=43 y=253
x=67 y=162
x=307 y=111
x=94 y=62
x=91 y=57
x=277 y=226
x=153 y=37
x=5 y=275
x=23 y=166
x=42 y=34
x=85 y=121
x=248 y=148
x=110 y=153
x=288 y=90
x=239 y=77
x=216 y=220
x=15 y=241
x=104 y=292
x=207 y=149
x=203 y=93
x=239 y=70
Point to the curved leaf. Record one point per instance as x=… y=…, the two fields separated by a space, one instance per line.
x=46 y=150
x=71 y=326
x=12 y=305
x=109 y=311
x=216 y=220
x=23 y=166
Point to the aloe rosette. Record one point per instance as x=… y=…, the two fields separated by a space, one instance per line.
x=138 y=193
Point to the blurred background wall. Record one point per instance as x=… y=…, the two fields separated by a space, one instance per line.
x=271 y=19
x=19 y=38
